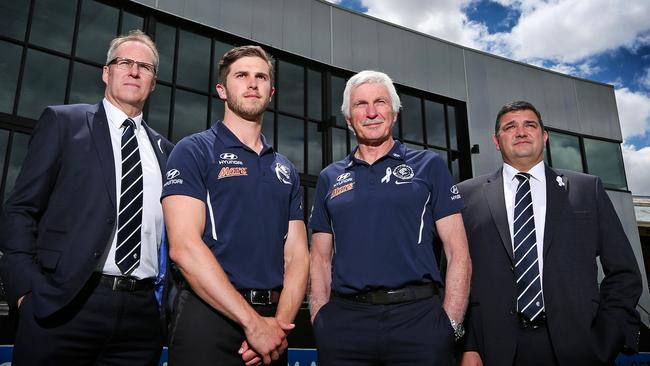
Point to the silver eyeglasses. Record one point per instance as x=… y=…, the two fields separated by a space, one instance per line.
x=127 y=64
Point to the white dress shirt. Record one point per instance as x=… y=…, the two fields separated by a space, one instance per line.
x=152 y=219
x=538 y=194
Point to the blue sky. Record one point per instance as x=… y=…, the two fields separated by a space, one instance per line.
x=601 y=40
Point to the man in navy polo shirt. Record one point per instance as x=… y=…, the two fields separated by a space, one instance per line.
x=233 y=212
x=375 y=286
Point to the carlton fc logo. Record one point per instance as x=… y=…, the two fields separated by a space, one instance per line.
x=403 y=172
x=283 y=173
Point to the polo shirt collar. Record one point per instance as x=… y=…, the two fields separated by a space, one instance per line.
x=397 y=152
x=230 y=140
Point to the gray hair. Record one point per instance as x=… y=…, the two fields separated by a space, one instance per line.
x=369 y=77
x=133 y=36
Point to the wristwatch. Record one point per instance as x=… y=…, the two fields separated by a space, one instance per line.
x=459 y=330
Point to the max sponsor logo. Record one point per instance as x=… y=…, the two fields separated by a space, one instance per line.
x=342 y=189
x=227 y=171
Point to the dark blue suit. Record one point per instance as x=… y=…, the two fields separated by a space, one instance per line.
x=587 y=324
x=61 y=214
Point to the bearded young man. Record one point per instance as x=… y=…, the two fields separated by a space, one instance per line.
x=243 y=283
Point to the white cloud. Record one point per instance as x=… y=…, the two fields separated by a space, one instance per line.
x=444 y=19
x=636 y=169
x=633 y=112
x=562 y=31
x=571 y=30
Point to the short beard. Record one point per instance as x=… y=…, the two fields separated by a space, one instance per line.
x=253 y=113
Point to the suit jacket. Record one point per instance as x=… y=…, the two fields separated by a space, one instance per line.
x=588 y=324
x=61 y=214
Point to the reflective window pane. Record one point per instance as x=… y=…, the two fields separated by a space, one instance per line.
x=190 y=114
x=217 y=109
x=131 y=22
x=411 y=118
x=339 y=144
x=18 y=153
x=268 y=128
x=414 y=146
x=315 y=149
x=165 y=42
x=87 y=85
x=352 y=141
x=605 y=160
x=193 y=61
x=451 y=117
x=291 y=88
x=43 y=83
x=159 y=103
x=395 y=130
x=219 y=49
x=291 y=140
x=53 y=24
x=336 y=95
x=9 y=66
x=565 y=151
x=4 y=140
x=97 y=27
x=455 y=166
x=435 y=115
x=13 y=17
x=315 y=96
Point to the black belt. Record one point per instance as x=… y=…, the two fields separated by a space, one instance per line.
x=121 y=283
x=261 y=297
x=386 y=297
x=524 y=323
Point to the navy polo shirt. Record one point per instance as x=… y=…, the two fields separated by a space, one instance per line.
x=249 y=201
x=382 y=217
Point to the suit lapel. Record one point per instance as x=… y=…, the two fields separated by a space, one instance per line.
x=99 y=130
x=156 y=143
x=556 y=200
x=496 y=202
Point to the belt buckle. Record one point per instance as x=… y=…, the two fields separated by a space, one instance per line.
x=264 y=295
x=123 y=284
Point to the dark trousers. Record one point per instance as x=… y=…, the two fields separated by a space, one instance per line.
x=413 y=333
x=534 y=348
x=99 y=327
x=200 y=335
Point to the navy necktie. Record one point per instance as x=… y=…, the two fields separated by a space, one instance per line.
x=530 y=301
x=129 y=222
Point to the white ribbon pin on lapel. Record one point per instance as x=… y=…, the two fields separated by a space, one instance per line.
x=386 y=178
x=560 y=182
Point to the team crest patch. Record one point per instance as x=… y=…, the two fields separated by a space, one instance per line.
x=342 y=189
x=227 y=171
x=283 y=173
x=403 y=172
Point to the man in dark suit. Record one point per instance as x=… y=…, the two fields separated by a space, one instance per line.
x=82 y=227
x=534 y=236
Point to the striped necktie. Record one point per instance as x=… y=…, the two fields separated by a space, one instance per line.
x=530 y=301
x=129 y=221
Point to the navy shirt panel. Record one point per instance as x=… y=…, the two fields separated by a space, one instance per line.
x=383 y=218
x=249 y=199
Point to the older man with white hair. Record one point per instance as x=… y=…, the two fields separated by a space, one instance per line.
x=376 y=289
